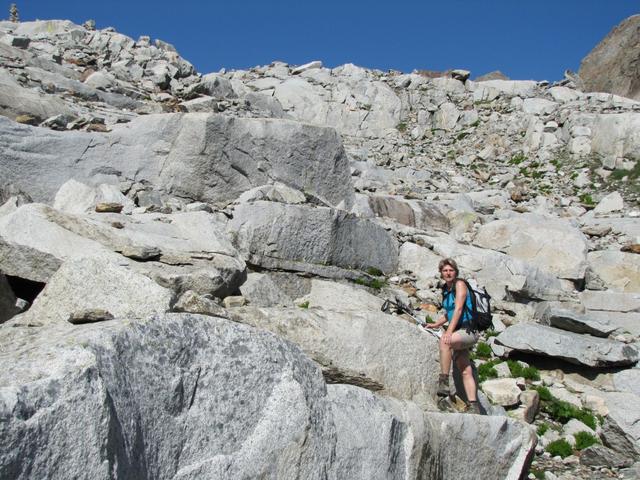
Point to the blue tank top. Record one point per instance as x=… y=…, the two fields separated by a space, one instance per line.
x=449 y=304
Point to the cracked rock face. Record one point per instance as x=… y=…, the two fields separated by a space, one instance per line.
x=612 y=65
x=202 y=157
x=142 y=399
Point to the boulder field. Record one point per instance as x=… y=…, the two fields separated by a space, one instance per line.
x=192 y=267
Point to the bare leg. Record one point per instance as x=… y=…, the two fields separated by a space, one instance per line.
x=464 y=365
x=445 y=357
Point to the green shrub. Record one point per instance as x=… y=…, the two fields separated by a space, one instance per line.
x=559 y=448
x=562 y=412
x=587 y=199
x=487 y=370
x=376 y=272
x=517 y=159
x=483 y=350
x=537 y=473
x=304 y=304
x=517 y=370
x=374 y=283
x=461 y=135
x=542 y=429
x=584 y=440
x=545 y=394
x=491 y=333
x=402 y=127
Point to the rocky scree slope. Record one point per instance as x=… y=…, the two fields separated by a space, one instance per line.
x=146 y=204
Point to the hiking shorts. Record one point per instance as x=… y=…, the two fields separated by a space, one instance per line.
x=468 y=340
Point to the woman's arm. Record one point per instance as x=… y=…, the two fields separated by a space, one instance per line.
x=441 y=321
x=461 y=298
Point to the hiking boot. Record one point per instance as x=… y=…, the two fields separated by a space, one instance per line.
x=473 y=407
x=443 y=385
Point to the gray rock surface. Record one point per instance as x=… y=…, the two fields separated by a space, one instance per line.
x=143 y=398
x=571 y=321
x=275 y=288
x=96 y=283
x=611 y=66
x=205 y=157
x=572 y=347
x=194 y=251
x=372 y=430
x=358 y=348
x=550 y=244
x=311 y=235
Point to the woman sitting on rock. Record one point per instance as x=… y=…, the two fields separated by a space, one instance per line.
x=458 y=338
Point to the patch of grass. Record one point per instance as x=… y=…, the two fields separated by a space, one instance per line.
x=537 y=473
x=517 y=370
x=562 y=412
x=475 y=124
x=304 y=304
x=544 y=393
x=584 y=440
x=375 y=272
x=462 y=135
x=401 y=127
x=517 y=159
x=487 y=370
x=559 y=448
x=374 y=283
x=491 y=333
x=632 y=174
x=587 y=199
x=483 y=350
x=542 y=429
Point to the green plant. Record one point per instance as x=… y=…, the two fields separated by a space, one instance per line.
x=304 y=304
x=587 y=199
x=376 y=272
x=517 y=159
x=562 y=412
x=544 y=393
x=537 y=473
x=517 y=370
x=632 y=174
x=461 y=135
x=491 y=333
x=584 y=440
x=475 y=124
x=559 y=448
x=401 y=127
x=483 y=350
x=542 y=429
x=487 y=370
x=374 y=283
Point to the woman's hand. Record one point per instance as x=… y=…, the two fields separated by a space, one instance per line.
x=441 y=321
x=446 y=337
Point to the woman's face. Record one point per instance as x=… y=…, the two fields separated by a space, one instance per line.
x=447 y=273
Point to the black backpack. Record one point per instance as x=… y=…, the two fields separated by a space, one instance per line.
x=481 y=318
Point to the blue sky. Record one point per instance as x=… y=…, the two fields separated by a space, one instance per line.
x=524 y=39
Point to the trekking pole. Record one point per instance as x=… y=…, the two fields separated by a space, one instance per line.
x=402 y=308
